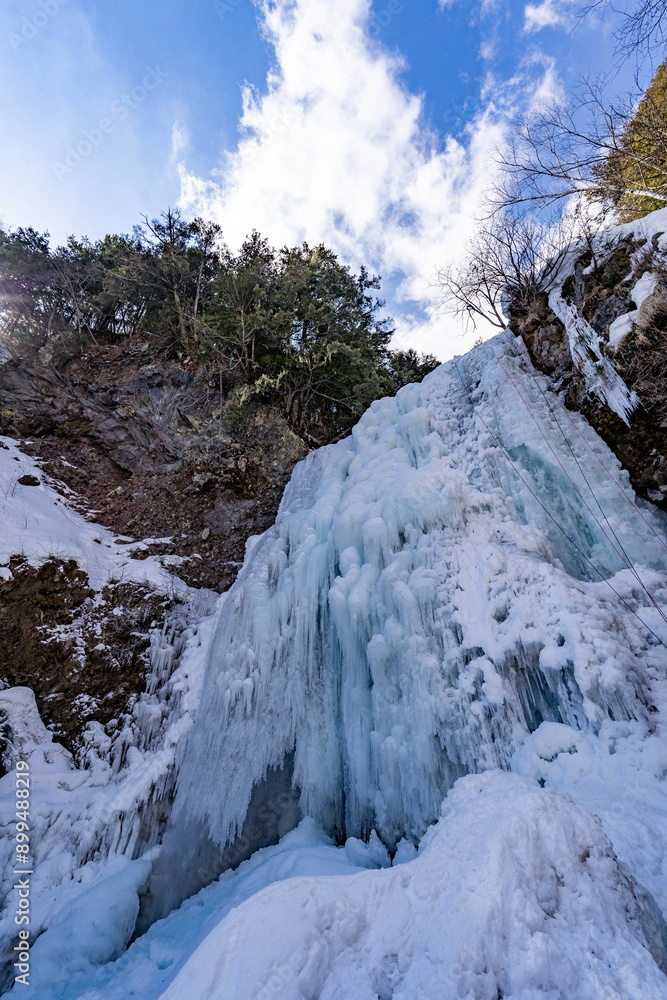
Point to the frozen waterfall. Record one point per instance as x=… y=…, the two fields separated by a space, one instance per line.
x=465 y=566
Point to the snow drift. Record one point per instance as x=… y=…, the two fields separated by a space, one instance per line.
x=516 y=893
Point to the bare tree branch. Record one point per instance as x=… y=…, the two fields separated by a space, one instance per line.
x=509 y=257
x=589 y=147
x=643 y=27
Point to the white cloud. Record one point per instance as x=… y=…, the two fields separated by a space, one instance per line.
x=550 y=89
x=336 y=150
x=179 y=138
x=548 y=14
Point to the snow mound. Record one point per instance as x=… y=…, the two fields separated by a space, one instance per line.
x=89 y=930
x=618 y=775
x=516 y=892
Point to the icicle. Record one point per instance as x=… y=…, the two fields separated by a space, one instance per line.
x=602 y=379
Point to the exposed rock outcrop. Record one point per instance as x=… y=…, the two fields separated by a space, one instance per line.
x=156 y=452
x=83 y=655
x=601 y=293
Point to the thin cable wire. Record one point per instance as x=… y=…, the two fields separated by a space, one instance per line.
x=625 y=561
x=550 y=515
x=575 y=459
x=539 y=375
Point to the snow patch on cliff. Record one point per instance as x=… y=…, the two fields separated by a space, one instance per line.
x=38 y=523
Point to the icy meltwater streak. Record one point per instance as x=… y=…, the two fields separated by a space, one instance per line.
x=415 y=610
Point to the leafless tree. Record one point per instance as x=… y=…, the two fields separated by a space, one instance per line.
x=643 y=26
x=588 y=147
x=509 y=258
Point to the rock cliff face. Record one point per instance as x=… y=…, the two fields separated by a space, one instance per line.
x=602 y=294
x=154 y=453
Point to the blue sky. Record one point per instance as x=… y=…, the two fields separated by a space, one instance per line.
x=373 y=131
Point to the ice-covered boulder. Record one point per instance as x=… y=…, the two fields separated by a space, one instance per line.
x=23 y=731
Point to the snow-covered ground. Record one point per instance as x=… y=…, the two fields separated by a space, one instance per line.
x=39 y=524
x=456 y=631
x=515 y=893
x=86 y=824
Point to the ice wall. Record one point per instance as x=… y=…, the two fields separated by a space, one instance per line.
x=435 y=586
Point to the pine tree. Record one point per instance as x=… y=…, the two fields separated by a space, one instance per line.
x=639 y=166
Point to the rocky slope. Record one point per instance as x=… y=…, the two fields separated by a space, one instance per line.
x=151 y=451
x=621 y=295
x=155 y=452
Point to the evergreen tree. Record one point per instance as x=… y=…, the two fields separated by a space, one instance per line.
x=639 y=165
x=295 y=327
